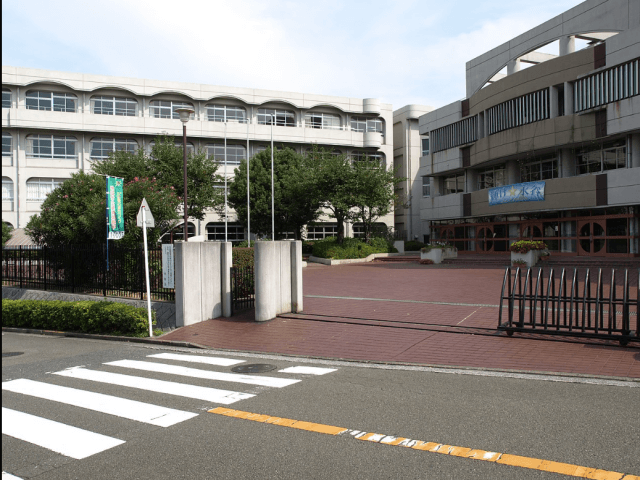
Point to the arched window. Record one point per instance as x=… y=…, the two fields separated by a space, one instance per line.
x=364 y=124
x=7 y=144
x=235 y=153
x=190 y=148
x=39 y=188
x=322 y=120
x=51 y=146
x=101 y=148
x=335 y=152
x=109 y=105
x=226 y=113
x=7 y=194
x=279 y=117
x=361 y=156
x=215 y=232
x=177 y=233
x=167 y=109
x=56 y=101
x=6 y=98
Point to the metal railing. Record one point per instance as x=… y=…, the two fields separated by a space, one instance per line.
x=570 y=305
x=242 y=288
x=83 y=269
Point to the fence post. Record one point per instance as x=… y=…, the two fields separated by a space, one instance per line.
x=20 y=267
x=104 y=271
x=44 y=266
x=73 y=269
x=141 y=271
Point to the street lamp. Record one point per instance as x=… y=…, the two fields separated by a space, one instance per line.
x=185 y=113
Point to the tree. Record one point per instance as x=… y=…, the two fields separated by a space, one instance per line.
x=74 y=212
x=295 y=196
x=6 y=233
x=374 y=192
x=165 y=164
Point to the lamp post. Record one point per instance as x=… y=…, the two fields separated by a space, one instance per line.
x=185 y=113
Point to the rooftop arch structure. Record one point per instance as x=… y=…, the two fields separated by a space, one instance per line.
x=611 y=16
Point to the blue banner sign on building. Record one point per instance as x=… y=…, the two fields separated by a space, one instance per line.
x=519 y=192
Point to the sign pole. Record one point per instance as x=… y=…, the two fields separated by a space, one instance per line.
x=107 y=202
x=146 y=267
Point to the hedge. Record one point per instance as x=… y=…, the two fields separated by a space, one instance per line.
x=84 y=316
x=350 y=248
x=242 y=257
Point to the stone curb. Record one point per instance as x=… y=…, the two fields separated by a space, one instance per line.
x=113 y=338
x=370 y=258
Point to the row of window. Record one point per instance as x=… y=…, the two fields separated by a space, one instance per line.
x=111 y=105
x=528 y=108
x=456 y=134
x=37 y=188
x=611 y=85
x=601 y=158
x=65 y=147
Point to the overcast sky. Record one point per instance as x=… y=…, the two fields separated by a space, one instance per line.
x=401 y=52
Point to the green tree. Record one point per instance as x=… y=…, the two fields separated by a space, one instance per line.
x=295 y=194
x=374 y=188
x=6 y=233
x=75 y=212
x=165 y=164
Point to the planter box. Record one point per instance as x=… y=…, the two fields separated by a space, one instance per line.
x=437 y=255
x=531 y=257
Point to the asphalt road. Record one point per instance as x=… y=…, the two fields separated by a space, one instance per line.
x=572 y=420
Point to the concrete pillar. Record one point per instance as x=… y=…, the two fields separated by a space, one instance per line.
x=512 y=171
x=284 y=306
x=567 y=167
x=568 y=98
x=635 y=150
x=267 y=281
x=513 y=66
x=208 y=269
x=472 y=181
x=226 y=262
x=567 y=45
x=296 y=277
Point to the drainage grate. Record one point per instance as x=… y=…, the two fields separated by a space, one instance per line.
x=254 y=368
x=11 y=354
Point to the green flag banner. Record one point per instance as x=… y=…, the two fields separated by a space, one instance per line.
x=115 y=214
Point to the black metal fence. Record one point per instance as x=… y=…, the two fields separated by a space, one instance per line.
x=84 y=269
x=242 y=288
x=605 y=307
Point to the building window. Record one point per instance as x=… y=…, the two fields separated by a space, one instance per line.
x=101 y=148
x=459 y=133
x=491 y=177
x=7 y=191
x=604 y=157
x=360 y=156
x=167 y=109
x=58 y=102
x=235 y=153
x=39 y=188
x=107 y=105
x=607 y=86
x=226 y=113
x=426 y=186
x=318 y=231
x=454 y=184
x=322 y=120
x=540 y=169
x=190 y=147
x=215 y=232
x=6 y=98
x=376 y=229
x=282 y=118
x=336 y=152
x=7 y=144
x=51 y=146
x=364 y=124
x=523 y=110
x=425 y=146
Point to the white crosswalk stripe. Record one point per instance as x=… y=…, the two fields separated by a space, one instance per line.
x=225 y=397
x=8 y=476
x=58 y=437
x=204 y=374
x=121 y=407
x=78 y=443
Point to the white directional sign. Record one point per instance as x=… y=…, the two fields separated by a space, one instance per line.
x=149 y=218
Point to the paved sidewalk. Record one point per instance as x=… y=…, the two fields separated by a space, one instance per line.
x=409 y=313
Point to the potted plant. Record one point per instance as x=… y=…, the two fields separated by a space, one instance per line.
x=518 y=263
x=528 y=251
x=438 y=251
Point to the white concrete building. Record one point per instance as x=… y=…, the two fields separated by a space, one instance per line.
x=57 y=123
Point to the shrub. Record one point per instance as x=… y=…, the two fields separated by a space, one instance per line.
x=524 y=246
x=413 y=246
x=307 y=247
x=83 y=316
x=242 y=257
x=350 y=248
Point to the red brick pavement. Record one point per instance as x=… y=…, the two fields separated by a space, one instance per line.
x=386 y=331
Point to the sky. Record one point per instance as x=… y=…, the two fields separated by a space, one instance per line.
x=401 y=52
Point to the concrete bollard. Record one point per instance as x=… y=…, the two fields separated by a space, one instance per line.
x=226 y=262
x=296 y=277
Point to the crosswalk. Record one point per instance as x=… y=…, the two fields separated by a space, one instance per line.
x=79 y=443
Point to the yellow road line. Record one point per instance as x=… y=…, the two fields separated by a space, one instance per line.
x=464 y=452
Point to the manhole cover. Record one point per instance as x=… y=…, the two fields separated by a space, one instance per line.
x=14 y=354
x=254 y=368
